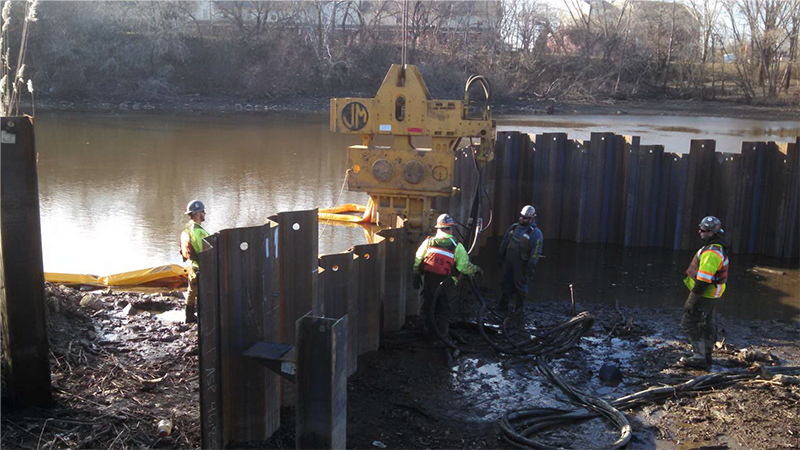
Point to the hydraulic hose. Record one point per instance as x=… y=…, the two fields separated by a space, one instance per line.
x=542 y=348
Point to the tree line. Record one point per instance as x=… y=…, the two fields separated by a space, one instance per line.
x=531 y=50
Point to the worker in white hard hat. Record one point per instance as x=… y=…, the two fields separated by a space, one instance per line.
x=706 y=279
x=191 y=246
x=439 y=258
x=519 y=252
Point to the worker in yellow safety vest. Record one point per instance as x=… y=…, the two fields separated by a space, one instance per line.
x=438 y=260
x=191 y=246
x=706 y=278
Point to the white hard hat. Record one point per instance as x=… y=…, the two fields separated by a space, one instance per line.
x=195 y=206
x=710 y=223
x=528 y=211
x=444 y=221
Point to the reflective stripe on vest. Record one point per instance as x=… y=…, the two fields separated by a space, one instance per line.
x=719 y=277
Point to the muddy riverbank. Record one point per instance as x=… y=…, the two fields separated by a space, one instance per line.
x=321 y=105
x=121 y=362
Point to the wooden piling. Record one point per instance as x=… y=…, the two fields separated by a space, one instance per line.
x=22 y=303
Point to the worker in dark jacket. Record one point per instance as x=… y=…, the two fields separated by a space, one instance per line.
x=519 y=252
x=706 y=279
x=438 y=260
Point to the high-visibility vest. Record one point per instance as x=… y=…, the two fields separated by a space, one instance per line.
x=710 y=265
x=440 y=258
x=191 y=242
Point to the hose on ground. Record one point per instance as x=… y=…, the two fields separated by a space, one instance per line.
x=542 y=348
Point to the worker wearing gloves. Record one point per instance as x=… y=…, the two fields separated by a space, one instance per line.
x=706 y=278
x=191 y=246
x=438 y=258
x=519 y=252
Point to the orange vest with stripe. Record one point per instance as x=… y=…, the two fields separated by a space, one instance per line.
x=440 y=258
x=716 y=273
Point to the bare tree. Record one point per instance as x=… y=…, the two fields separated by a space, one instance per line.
x=760 y=29
x=707 y=13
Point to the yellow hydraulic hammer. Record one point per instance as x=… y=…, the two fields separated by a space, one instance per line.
x=400 y=178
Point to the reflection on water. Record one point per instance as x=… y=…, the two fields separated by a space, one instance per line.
x=113 y=187
x=673 y=132
x=653 y=277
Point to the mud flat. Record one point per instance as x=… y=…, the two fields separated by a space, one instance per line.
x=124 y=361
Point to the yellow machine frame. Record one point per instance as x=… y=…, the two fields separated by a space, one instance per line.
x=400 y=178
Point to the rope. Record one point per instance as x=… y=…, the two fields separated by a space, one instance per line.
x=405 y=33
x=338 y=198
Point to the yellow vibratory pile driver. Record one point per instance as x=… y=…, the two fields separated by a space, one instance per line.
x=401 y=179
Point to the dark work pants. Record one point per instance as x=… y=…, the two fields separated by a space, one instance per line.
x=440 y=315
x=699 y=324
x=515 y=280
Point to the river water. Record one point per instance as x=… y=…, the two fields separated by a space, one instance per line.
x=113 y=188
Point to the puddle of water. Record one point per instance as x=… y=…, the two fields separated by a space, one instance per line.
x=492 y=389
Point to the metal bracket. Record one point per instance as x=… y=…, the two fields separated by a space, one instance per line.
x=279 y=358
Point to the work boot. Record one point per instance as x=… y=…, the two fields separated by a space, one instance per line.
x=698 y=360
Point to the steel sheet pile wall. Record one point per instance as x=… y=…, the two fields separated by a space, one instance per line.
x=254 y=286
x=371 y=287
x=338 y=285
x=298 y=244
x=612 y=189
x=397 y=265
x=239 y=306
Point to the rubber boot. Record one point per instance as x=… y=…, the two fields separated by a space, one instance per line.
x=709 y=347
x=698 y=360
x=519 y=300
x=503 y=305
x=191 y=317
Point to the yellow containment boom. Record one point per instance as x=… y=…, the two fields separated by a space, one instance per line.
x=170 y=275
x=339 y=213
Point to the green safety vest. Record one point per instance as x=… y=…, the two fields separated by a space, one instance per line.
x=192 y=242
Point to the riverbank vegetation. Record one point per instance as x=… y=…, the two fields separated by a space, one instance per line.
x=531 y=50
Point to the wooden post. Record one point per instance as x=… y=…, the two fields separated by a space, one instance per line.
x=22 y=303
x=321 y=388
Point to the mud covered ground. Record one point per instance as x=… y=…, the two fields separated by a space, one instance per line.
x=124 y=361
